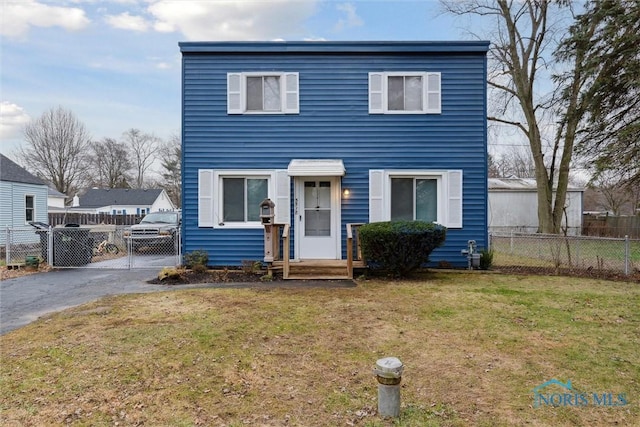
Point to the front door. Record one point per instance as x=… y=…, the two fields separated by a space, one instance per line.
x=317 y=217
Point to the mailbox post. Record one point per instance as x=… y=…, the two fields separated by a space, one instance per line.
x=267 y=214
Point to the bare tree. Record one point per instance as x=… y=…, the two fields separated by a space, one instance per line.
x=171 y=165
x=57 y=144
x=112 y=164
x=613 y=195
x=143 y=148
x=522 y=50
x=514 y=162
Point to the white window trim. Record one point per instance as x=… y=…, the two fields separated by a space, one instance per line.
x=33 y=196
x=289 y=92
x=449 y=198
x=381 y=93
x=218 y=175
x=210 y=204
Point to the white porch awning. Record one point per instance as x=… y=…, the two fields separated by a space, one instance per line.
x=316 y=167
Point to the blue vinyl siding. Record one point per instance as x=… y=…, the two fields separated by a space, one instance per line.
x=334 y=123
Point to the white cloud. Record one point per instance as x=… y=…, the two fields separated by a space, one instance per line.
x=231 y=20
x=19 y=16
x=12 y=119
x=124 y=21
x=351 y=18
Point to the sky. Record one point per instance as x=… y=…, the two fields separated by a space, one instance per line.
x=116 y=63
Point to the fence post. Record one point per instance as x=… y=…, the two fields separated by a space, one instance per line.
x=129 y=251
x=627 y=254
x=511 y=243
x=50 y=246
x=7 y=252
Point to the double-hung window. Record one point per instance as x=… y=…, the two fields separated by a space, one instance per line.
x=414 y=198
x=241 y=197
x=404 y=93
x=422 y=195
x=263 y=93
x=30 y=208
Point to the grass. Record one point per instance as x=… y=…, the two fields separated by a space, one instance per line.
x=474 y=347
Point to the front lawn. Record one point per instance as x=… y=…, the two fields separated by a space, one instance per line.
x=474 y=346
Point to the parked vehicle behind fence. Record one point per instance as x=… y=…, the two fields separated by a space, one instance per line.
x=156 y=230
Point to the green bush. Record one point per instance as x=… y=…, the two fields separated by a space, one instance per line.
x=486 y=259
x=399 y=247
x=198 y=259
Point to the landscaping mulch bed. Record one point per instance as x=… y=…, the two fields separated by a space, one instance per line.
x=214 y=276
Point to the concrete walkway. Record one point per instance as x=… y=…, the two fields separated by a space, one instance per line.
x=25 y=299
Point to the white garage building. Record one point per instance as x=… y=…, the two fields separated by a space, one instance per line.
x=513 y=207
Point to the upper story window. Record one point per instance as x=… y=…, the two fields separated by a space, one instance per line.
x=30 y=208
x=262 y=93
x=404 y=93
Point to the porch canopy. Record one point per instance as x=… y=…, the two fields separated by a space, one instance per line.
x=316 y=167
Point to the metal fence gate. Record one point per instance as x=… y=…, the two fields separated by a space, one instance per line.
x=99 y=246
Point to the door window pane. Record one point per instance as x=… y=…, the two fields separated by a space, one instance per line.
x=317 y=208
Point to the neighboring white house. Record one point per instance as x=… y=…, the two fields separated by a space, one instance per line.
x=123 y=201
x=513 y=206
x=23 y=198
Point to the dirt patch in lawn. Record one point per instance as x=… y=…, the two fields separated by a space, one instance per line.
x=590 y=273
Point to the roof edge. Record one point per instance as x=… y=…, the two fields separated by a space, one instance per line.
x=481 y=46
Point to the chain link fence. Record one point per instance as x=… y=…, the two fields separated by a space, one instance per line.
x=516 y=251
x=99 y=246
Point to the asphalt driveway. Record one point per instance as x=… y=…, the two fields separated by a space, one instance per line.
x=24 y=299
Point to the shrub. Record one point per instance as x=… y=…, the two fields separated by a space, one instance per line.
x=486 y=259
x=399 y=247
x=197 y=259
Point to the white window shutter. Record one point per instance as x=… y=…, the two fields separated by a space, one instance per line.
x=282 y=197
x=376 y=196
x=433 y=94
x=234 y=93
x=291 y=93
x=205 y=198
x=376 y=93
x=454 y=203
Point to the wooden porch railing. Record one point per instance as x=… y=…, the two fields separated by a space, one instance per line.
x=352 y=229
x=282 y=244
x=285 y=251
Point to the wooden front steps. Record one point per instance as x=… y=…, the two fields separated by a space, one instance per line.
x=317 y=269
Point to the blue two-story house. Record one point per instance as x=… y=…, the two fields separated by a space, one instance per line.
x=334 y=133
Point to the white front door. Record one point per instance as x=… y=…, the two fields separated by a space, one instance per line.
x=317 y=218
